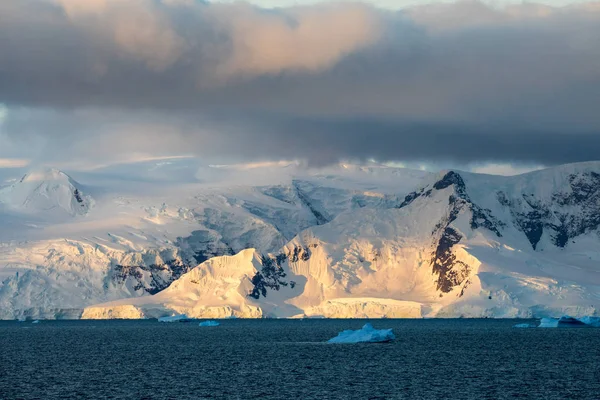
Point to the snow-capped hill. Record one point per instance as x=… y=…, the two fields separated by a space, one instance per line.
x=218 y=288
x=46 y=190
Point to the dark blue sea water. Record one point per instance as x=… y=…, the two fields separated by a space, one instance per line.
x=288 y=359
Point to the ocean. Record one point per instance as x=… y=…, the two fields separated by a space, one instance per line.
x=289 y=359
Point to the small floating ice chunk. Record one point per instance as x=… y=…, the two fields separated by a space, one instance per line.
x=367 y=334
x=36 y=322
x=209 y=323
x=524 y=326
x=175 y=318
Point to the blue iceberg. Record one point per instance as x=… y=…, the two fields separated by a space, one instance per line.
x=367 y=334
x=591 y=321
x=568 y=322
x=209 y=323
x=548 y=323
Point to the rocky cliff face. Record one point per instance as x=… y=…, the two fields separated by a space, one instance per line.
x=568 y=211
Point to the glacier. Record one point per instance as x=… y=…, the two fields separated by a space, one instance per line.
x=347 y=241
x=367 y=334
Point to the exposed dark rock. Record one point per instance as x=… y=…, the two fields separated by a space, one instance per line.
x=533 y=228
x=152 y=278
x=305 y=200
x=480 y=217
x=570 y=213
x=561 y=238
x=451 y=178
x=451 y=272
x=299 y=253
x=281 y=193
x=465 y=286
x=269 y=277
x=78 y=196
x=412 y=197
x=202 y=245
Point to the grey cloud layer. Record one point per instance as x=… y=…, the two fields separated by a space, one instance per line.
x=463 y=82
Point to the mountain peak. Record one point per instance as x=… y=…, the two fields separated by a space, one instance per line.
x=46 y=190
x=45 y=175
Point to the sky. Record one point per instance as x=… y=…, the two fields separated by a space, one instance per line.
x=491 y=86
x=397 y=4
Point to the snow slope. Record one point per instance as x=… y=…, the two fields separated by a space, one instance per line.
x=347 y=241
x=46 y=191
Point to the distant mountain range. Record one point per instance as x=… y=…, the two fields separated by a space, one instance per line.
x=176 y=237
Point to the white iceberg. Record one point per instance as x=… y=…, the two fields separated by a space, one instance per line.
x=36 y=321
x=367 y=334
x=524 y=326
x=175 y=318
x=209 y=323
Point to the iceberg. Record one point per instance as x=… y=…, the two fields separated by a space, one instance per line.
x=524 y=326
x=367 y=334
x=548 y=323
x=36 y=321
x=175 y=318
x=209 y=323
x=591 y=321
x=570 y=321
x=567 y=322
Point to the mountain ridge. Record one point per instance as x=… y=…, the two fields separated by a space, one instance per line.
x=452 y=246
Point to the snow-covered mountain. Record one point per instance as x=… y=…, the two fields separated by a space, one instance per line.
x=46 y=191
x=348 y=241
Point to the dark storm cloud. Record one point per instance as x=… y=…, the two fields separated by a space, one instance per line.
x=363 y=139
x=462 y=82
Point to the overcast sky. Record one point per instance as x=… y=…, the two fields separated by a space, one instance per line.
x=397 y=4
x=469 y=83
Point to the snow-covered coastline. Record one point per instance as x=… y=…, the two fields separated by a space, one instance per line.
x=345 y=242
